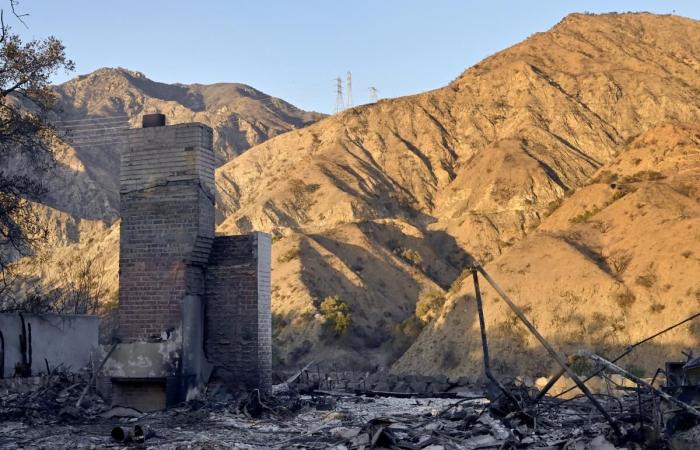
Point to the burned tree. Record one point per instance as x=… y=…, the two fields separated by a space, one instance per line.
x=26 y=136
x=24 y=367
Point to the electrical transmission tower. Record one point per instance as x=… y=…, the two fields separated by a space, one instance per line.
x=373 y=97
x=348 y=95
x=339 y=104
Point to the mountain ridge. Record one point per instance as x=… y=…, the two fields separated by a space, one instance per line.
x=240 y=116
x=382 y=206
x=478 y=162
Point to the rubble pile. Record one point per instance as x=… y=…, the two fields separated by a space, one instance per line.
x=42 y=413
x=318 y=378
x=49 y=398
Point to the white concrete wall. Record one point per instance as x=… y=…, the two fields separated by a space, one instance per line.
x=69 y=340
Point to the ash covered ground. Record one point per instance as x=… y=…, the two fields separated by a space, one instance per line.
x=41 y=413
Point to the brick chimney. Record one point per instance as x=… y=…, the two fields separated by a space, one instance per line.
x=167 y=209
x=189 y=303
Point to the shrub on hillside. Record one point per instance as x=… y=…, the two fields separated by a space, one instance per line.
x=288 y=256
x=657 y=307
x=336 y=314
x=618 y=262
x=410 y=256
x=686 y=189
x=585 y=216
x=552 y=206
x=278 y=323
x=459 y=282
x=644 y=175
x=429 y=304
x=606 y=177
x=625 y=298
x=411 y=327
x=620 y=191
x=647 y=280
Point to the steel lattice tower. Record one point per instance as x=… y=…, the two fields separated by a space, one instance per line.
x=339 y=104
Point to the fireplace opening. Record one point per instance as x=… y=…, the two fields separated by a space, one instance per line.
x=144 y=394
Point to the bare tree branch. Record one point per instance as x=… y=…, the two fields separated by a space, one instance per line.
x=3 y=30
x=14 y=3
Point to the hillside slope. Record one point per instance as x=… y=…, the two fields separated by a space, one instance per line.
x=471 y=168
x=486 y=154
x=382 y=202
x=618 y=261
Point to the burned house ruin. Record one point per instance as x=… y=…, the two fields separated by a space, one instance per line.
x=194 y=307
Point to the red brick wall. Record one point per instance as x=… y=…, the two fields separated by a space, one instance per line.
x=237 y=339
x=167 y=209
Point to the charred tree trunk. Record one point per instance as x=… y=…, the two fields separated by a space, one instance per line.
x=24 y=368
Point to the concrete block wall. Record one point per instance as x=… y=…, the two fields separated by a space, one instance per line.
x=237 y=326
x=60 y=339
x=167 y=209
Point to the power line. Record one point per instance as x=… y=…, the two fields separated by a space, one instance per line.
x=83 y=136
x=94 y=135
x=75 y=131
x=94 y=119
x=93 y=124
x=79 y=126
x=94 y=131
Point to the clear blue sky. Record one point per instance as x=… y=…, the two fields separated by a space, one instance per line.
x=294 y=49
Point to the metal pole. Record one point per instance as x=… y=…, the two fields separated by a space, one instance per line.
x=553 y=353
x=485 y=345
x=94 y=375
x=549 y=384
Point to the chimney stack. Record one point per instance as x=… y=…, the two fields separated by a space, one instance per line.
x=153 y=120
x=189 y=303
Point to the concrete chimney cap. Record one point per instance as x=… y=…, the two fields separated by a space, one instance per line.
x=153 y=120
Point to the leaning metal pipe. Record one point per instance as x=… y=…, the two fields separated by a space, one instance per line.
x=629 y=349
x=552 y=381
x=485 y=345
x=553 y=353
x=94 y=374
x=619 y=370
